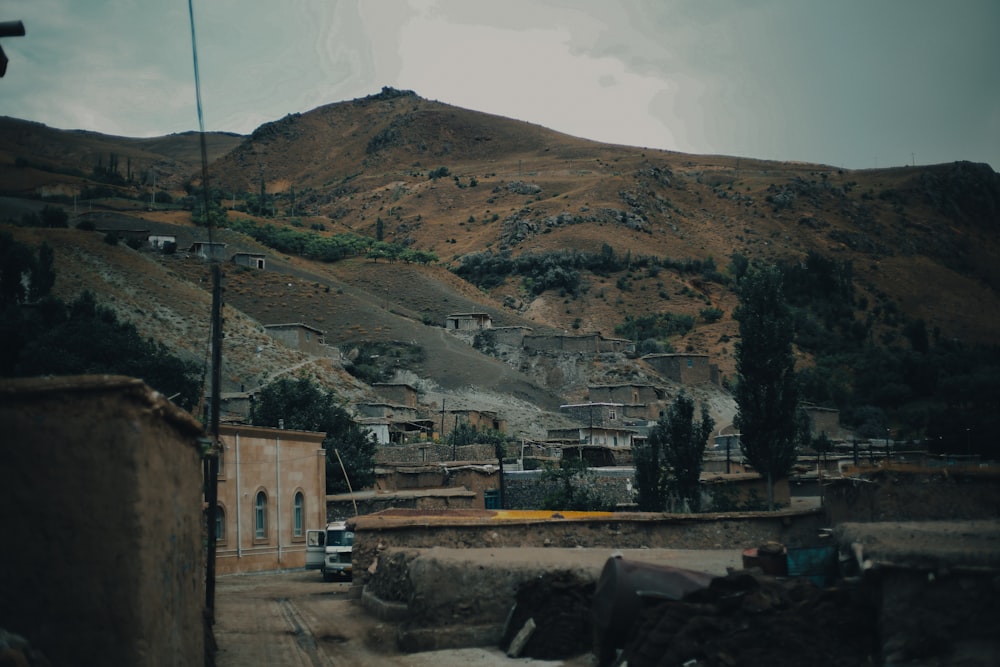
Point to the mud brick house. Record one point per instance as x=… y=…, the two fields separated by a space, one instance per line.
x=103 y=523
x=823 y=421
x=207 y=250
x=639 y=401
x=397 y=392
x=393 y=423
x=683 y=368
x=468 y=322
x=252 y=260
x=272 y=488
x=482 y=420
x=299 y=336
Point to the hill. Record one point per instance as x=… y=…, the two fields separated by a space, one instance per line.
x=917 y=244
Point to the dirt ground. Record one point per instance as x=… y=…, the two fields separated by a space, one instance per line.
x=295 y=618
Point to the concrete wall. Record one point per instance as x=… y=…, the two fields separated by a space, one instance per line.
x=281 y=463
x=103 y=559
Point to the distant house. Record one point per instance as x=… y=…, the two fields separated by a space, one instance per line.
x=299 y=336
x=253 y=260
x=588 y=343
x=161 y=241
x=468 y=322
x=482 y=420
x=640 y=401
x=823 y=421
x=595 y=414
x=393 y=424
x=208 y=250
x=683 y=368
x=600 y=436
x=133 y=235
x=398 y=392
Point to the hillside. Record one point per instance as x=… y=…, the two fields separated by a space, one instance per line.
x=920 y=242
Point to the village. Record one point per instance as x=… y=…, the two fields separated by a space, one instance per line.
x=870 y=511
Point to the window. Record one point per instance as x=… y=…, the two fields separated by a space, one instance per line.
x=220 y=524
x=299 y=511
x=690 y=363
x=611 y=415
x=308 y=335
x=222 y=460
x=260 y=515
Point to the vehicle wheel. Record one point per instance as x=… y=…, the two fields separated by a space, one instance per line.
x=327 y=576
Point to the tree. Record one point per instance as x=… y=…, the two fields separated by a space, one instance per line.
x=767 y=393
x=669 y=463
x=650 y=482
x=302 y=405
x=684 y=446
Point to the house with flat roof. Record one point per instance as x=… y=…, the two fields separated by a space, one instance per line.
x=299 y=336
x=468 y=322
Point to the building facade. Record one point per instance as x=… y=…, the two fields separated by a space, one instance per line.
x=272 y=488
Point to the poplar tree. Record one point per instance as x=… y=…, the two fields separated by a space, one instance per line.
x=767 y=393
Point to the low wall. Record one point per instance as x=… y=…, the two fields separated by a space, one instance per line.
x=906 y=493
x=496 y=529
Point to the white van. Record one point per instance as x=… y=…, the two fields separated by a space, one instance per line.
x=329 y=551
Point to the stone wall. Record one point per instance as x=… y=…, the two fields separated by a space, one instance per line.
x=428 y=452
x=527 y=489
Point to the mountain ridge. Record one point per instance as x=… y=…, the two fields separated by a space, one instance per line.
x=920 y=240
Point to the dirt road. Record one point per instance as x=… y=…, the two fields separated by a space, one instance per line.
x=294 y=618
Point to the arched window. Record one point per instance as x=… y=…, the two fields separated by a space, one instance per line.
x=260 y=515
x=220 y=524
x=299 y=514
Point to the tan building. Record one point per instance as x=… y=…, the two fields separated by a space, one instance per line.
x=272 y=488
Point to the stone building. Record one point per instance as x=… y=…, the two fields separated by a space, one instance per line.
x=272 y=488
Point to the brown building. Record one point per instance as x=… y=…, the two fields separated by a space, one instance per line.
x=397 y=392
x=468 y=322
x=300 y=337
x=103 y=522
x=683 y=368
x=481 y=420
x=272 y=488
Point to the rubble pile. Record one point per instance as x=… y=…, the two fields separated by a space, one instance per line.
x=748 y=618
x=550 y=619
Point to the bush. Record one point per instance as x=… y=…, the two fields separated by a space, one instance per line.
x=711 y=314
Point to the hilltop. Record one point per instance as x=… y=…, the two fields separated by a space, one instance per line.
x=920 y=241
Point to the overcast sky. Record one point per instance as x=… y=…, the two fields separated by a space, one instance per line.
x=848 y=83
